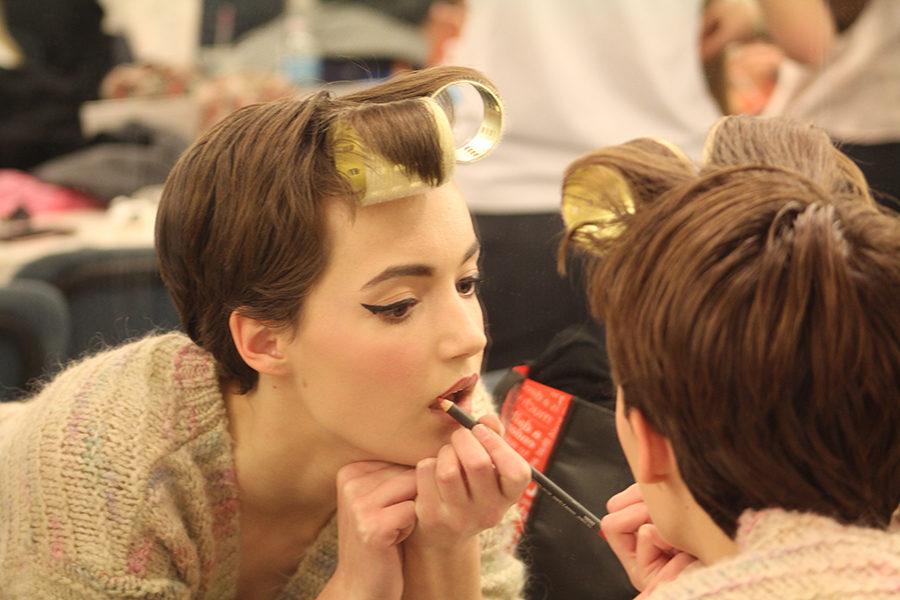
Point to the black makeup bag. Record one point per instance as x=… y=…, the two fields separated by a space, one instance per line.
x=559 y=413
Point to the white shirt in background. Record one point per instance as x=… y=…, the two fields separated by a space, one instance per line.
x=576 y=75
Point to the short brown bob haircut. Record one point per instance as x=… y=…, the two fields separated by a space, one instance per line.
x=241 y=224
x=751 y=311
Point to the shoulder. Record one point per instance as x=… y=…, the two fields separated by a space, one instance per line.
x=809 y=554
x=134 y=385
x=119 y=410
x=98 y=467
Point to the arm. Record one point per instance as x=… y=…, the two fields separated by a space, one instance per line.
x=803 y=29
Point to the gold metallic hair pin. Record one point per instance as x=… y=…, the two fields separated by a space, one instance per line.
x=375 y=179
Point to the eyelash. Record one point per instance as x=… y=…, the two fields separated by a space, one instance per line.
x=397 y=312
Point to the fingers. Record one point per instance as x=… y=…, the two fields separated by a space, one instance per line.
x=376 y=503
x=512 y=471
x=630 y=495
x=398 y=488
x=365 y=476
x=468 y=487
x=448 y=476
x=620 y=528
x=675 y=566
x=426 y=483
x=648 y=558
x=651 y=553
x=476 y=463
x=493 y=422
x=398 y=521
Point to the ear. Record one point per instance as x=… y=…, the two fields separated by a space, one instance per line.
x=259 y=345
x=654 y=457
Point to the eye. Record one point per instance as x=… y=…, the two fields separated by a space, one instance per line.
x=394 y=312
x=468 y=286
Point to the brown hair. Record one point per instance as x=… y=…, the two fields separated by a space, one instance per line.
x=751 y=315
x=241 y=224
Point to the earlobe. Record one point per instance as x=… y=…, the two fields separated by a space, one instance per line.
x=258 y=344
x=655 y=459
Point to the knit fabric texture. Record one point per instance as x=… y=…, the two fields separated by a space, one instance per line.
x=796 y=556
x=117 y=481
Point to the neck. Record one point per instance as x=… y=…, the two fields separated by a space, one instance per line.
x=284 y=467
x=716 y=545
x=699 y=533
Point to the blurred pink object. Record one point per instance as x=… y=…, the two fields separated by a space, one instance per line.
x=222 y=95
x=146 y=80
x=21 y=190
x=752 y=72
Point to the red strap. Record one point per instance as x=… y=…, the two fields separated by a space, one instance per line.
x=533 y=414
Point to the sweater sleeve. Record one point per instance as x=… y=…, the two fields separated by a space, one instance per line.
x=115 y=485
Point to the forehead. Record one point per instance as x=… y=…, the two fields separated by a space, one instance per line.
x=428 y=227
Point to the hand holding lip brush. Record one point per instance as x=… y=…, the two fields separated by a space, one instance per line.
x=554 y=491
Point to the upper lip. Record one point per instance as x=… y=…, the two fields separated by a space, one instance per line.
x=464 y=383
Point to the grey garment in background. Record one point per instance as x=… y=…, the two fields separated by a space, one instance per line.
x=350 y=30
x=112 y=295
x=411 y=11
x=135 y=157
x=247 y=15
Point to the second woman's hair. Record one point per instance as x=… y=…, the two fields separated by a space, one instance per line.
x=751 y=315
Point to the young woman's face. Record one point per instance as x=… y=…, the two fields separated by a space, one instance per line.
x=394 y=324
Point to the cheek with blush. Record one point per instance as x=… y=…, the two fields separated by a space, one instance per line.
x=395 y=362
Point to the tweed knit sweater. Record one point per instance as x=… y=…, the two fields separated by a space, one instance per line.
x=118 y=481
x=795 y=556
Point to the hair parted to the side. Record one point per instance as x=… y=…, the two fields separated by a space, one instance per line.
x=751 y=316
x=241 y=224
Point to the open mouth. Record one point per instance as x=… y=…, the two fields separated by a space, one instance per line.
x=459 y=393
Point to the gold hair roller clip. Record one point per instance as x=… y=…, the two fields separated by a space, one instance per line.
x=488 y=134
x=594 y=199
x=375 y=179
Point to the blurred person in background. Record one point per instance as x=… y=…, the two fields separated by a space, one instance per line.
x=838 y=66
x=577 y=74
x=854 y=94
x=372 y=39
x=57 y=57
x=574 y=74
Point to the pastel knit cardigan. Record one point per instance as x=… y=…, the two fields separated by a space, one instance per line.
x=118 y=481
x=796 y=556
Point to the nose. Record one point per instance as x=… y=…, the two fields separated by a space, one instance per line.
x=462 y=333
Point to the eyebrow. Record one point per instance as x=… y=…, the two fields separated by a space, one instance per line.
x=415 y=270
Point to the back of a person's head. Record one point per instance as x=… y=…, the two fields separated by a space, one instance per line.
x=751 y=315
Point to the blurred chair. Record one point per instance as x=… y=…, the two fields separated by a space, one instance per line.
x=113 y=295
x=34 y=334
